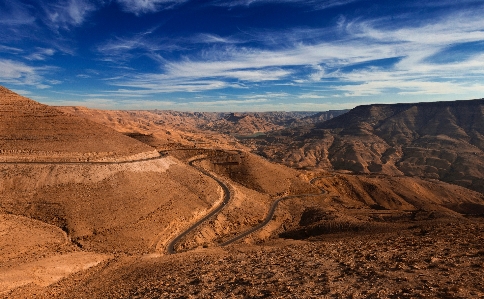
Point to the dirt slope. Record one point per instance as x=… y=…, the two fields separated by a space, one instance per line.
x=159 y=129
x=99 y=230
x=32 y=131
x=109 y=208
x=171 y=129
x=367 y=203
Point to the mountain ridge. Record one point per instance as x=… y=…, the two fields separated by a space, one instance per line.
x=34 y=131
x=441 y=140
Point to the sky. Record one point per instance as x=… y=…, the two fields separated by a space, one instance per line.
x=241 y=55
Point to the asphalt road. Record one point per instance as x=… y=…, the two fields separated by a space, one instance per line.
x=226 y=198
x=170 y=248
x=270 y=214
x=162 y=155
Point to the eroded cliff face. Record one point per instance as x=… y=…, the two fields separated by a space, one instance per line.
x=443 y=140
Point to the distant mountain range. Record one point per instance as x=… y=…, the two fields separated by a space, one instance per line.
x=440 y=140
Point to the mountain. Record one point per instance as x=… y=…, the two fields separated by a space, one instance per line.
x=63 y=211
x=442 y=140
x=180 y=123
x=32 y=131
x=65 y=217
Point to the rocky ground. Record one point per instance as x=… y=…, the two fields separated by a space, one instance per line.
x=442 y=259
x=90 y=230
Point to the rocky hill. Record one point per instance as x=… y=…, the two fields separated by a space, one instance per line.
x=72 y=227
x=32 y=131
x=241 y=124
x=231 y=124
x=443 y=140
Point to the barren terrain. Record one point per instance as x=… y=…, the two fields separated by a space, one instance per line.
x=30 y=131
x=441 y=140
x=145 y=204
x=174 y=129
x=423 y=260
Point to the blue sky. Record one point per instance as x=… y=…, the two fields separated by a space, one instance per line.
x=241 y=55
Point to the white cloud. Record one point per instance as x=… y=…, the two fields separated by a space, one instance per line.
x=122 y=49
x=267 y=95
x=316 y=4
x=40 y=54
x=22 y=92
x=229 y=102
x=71 y=13
x=153 y=84
x=214 y=39
x=15 y=13
x=112 y=102
x=308 y=58
x=139 y=7
x=14 y=72
x=7 y=49
x=311 y=96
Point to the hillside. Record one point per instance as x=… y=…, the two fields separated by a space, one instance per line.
x=159 y=129
x=176 y=126
x=204 y=218
x=243 y=124
x=75 y=193
x=443 y=141
x=33 y=131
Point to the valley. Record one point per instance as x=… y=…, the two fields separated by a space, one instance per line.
x=382 y=201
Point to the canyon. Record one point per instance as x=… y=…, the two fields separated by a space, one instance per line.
x=381 y=201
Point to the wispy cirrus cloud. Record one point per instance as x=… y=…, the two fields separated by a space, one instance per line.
x=218 y=103
x=40 y=54
x=256 y=102
x=67 y=14
x=11 y=50
x=153 y=84
x=139 y=7
x=207 y=38
x=19 y=73
x=316 y=4
x=148 y=43
x=351 y=65
x=401 y=52
x=221 y=69
x=15 y=13
x=122 y=49
x=415 y=72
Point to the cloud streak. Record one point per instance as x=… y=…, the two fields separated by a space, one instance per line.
x=14 y=13
x=316 y=4
x=18 y=73
x=41 y=54
x=139 y=7
x=362 y=42
x=438 y=52
x=66 y=14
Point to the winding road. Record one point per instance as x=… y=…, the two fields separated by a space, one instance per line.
x=170 y=248
x=270 y=214
x=162 y=155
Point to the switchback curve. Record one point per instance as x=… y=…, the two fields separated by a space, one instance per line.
x=170 y=248
x=270 y=214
